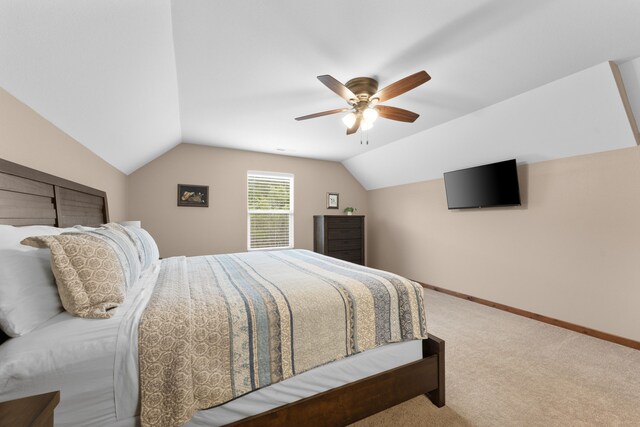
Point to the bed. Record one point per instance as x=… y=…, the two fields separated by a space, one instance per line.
x=92 y=363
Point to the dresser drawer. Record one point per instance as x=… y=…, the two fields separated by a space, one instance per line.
x=344 y=222
x=340 y=236
x=354 y=256
x=344 y=233
x=345 y=244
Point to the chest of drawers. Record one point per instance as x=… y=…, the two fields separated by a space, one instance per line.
x=339 y=236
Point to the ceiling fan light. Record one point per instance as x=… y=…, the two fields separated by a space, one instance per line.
x=366 y=124
x=349 y=120
x=370 y=114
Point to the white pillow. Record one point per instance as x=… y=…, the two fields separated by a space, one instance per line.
x=147 y=247
x=28 y=293
x=10 y=236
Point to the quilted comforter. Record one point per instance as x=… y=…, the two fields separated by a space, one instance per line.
x=220 y=326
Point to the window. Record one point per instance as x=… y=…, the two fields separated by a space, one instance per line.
x=270 y=210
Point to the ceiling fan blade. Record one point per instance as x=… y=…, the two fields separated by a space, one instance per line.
x=324 y=113
x=342 y=91
x=402 y=86
x=398 y=114
x=353 y=129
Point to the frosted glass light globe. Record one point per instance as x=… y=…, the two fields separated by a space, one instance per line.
x=349 y=120
x=370 y=114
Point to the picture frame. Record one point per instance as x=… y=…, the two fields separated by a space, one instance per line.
x=193 y=195
x=333 y=200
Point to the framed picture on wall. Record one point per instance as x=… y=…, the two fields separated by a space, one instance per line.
x=193 y=195
x=333 y=200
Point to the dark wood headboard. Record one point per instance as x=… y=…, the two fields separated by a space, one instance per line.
x=31 y=197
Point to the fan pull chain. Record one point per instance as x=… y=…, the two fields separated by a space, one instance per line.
x=366 y=136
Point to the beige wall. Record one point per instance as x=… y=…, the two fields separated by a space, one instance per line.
x=30 y=140
x=572 y=251
x=222 y=227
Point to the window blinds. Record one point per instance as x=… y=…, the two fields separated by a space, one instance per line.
x=270 y=210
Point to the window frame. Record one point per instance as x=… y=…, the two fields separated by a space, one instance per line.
x=290 y=212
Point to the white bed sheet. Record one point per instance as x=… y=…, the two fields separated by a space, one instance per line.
x=94 y=365
x=73 y=355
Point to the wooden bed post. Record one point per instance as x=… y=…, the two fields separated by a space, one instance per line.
x=434 y=345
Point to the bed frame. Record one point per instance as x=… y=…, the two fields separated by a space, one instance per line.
x=31 y=197
x=355 y=401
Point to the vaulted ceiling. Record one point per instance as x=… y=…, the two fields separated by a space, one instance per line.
x=130 y=79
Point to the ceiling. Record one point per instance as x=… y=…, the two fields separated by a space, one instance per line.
x=130 y=79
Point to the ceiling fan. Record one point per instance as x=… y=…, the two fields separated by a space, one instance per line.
x=364 y=98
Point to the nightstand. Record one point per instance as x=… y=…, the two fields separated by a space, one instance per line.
x=36 y=411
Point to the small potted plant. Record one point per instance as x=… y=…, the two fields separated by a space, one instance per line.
x=349 y=210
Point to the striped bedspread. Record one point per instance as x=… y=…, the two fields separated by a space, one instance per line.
x=221 y=326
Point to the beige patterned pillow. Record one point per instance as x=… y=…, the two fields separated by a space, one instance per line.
x=88 y=273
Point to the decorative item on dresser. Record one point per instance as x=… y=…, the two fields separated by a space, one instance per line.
x=339 y=236
x=350 y=210
x=35 y=411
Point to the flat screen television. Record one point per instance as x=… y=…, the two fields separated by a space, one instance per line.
x=491 y=185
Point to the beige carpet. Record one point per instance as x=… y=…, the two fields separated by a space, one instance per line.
x=507 y=370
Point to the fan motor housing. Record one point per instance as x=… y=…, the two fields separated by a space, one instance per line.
x=362 y=87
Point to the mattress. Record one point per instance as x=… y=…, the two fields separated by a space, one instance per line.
x=91 y=363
